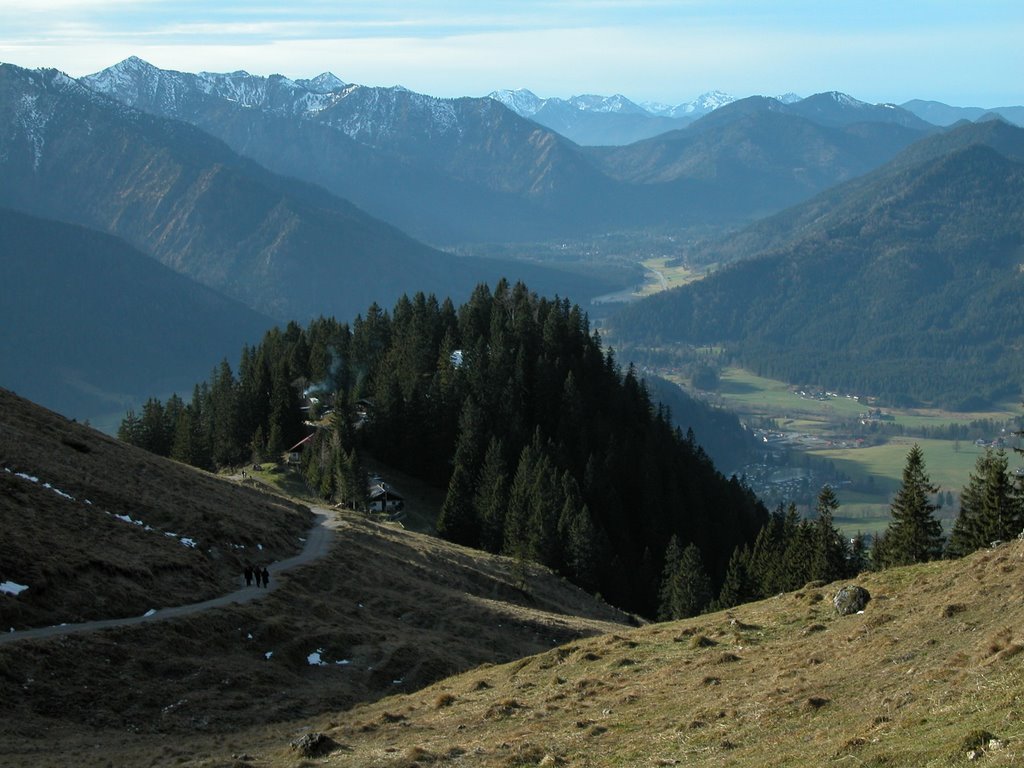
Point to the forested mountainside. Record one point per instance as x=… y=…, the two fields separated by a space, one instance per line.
x=904 y=285
x=92 y=325
x=472 y=170
x=283 y=247
x=547 y=449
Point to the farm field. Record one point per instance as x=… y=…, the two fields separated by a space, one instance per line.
x=880 y=467
x=824 y=422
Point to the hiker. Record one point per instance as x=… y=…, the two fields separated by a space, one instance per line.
x=266 y=578
x=248 y=575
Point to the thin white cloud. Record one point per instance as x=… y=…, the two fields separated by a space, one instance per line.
x=659 y=50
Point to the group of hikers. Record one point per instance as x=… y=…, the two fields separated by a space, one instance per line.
x=262 y=577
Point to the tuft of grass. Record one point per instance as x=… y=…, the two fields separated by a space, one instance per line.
x=444 y=700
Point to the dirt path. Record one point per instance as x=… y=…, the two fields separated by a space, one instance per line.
x=317 y=543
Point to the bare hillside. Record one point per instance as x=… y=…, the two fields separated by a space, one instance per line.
x=97 y=529
x=930 y=674
x=384 y=611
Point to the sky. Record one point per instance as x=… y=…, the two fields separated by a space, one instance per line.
x=961 y=52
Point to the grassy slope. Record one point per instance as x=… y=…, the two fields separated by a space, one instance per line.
x=933 y=659
x=422 y=624
x=81 y=563
x=402 y=609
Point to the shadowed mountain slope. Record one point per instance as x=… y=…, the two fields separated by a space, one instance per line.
x=284 y=247
x=94 y=327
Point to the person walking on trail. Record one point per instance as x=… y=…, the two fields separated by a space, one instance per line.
x=248 y=572
x=266 y=578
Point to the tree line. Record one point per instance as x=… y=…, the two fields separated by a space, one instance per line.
x=546 y=448
x=790 y=552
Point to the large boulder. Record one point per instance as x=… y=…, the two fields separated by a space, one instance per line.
x=314 y=745
x=851 y=599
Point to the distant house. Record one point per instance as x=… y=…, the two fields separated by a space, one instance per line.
x=294 y=454
x=384 y=498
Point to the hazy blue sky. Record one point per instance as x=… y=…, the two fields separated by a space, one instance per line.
x=962 y=52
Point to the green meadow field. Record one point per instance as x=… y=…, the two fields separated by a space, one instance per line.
x=875 y=471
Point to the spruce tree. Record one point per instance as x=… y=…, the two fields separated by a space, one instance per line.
x=490 y=501
x=737 y=588
x=685 y=587
x=668 y=596
x=990 y=507
x=915 y=534
x=457 y=520
x=830 y=551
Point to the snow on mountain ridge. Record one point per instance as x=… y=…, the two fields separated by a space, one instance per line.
x=617 y=104
x=521 y=101
x=325 y=82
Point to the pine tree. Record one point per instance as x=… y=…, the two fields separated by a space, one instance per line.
x=990 y=507
x=490 y=501
x=830 y=552
x=582 y=550
x=737 y=588
x=669 y=597
x=457 y=519
x=129 y=429
x=915 y=534
x=685 y=586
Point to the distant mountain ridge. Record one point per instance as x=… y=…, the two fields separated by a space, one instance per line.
x=902 y=284
x=472 y=170
x=615 y=120
x=943 y=114
x=284 y=247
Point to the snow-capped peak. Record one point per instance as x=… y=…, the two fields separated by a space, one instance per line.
x=618 y=104
x=325 y=82
x=846 y=100
x=521 y=101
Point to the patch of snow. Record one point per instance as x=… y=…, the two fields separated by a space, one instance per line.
x=12 y=588
x=342 y=662
x=150 y=612
x=259 y=547
x=58 y=491
x=314 y=659
x=521 y=101
x=268 y=654
x=30 y=478
x=190 y=543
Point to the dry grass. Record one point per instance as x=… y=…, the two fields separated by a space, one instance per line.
x=449 y=662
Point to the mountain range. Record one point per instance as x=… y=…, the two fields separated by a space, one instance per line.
x=284 y=247
x=902 y=284
x=465 y=170
x=616 y=120
x=607 y=120
x=294 y=197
